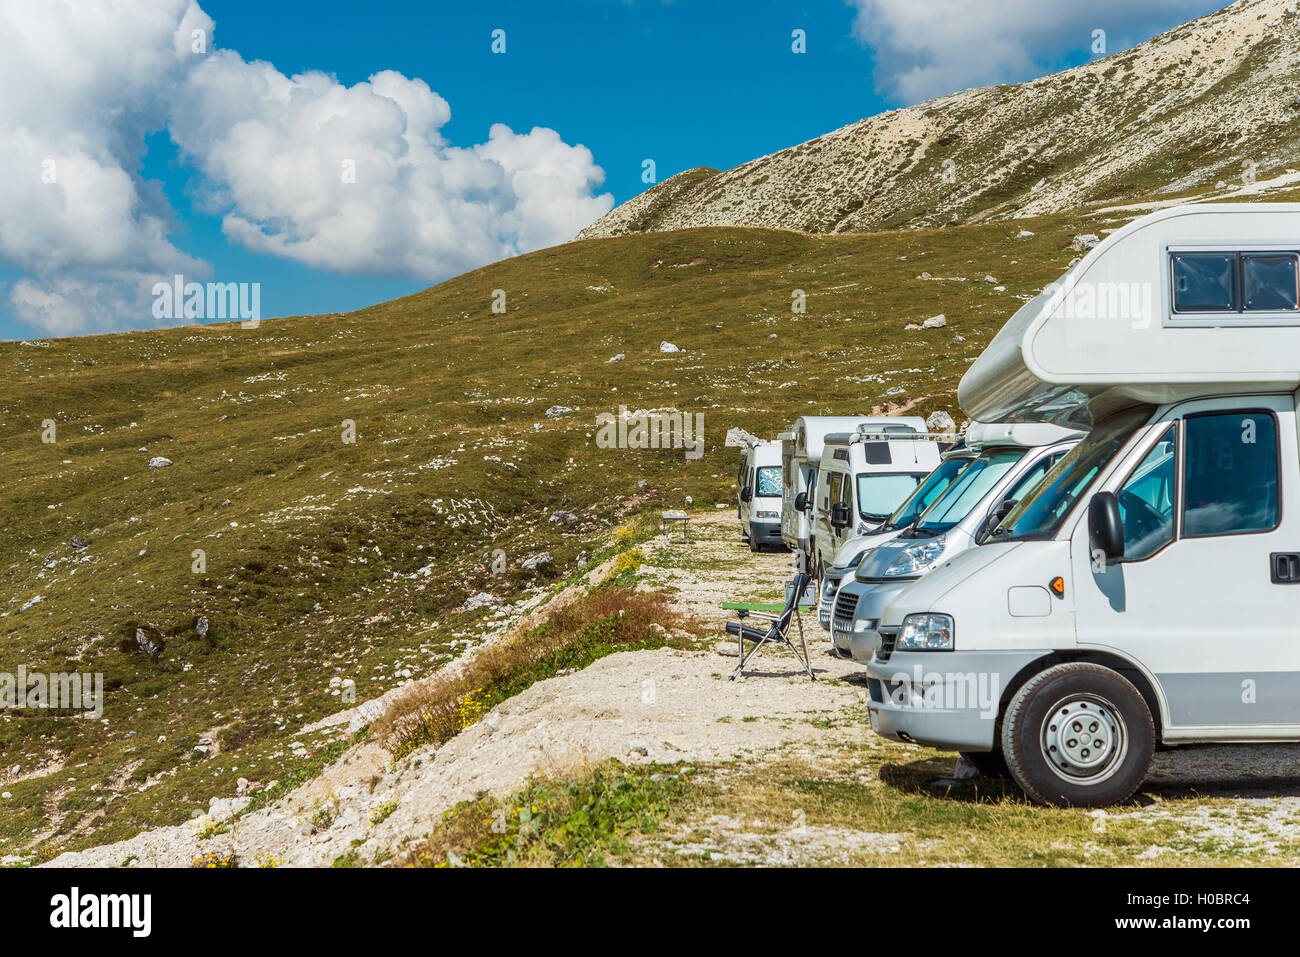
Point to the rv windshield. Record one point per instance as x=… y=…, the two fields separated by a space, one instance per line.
x=880 y=492
x=966 y=492
x=926 y=493
x=768 y=483
x=1040 y=513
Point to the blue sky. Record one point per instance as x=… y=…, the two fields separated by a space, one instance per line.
x=685 y=83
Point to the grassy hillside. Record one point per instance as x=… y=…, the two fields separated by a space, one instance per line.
x=329 y=560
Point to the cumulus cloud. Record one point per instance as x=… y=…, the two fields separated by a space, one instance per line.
x=940 y=46
x=359 y=179
x=352 y=179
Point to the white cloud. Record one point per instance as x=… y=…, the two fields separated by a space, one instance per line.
x=934 y=47
x=359 y=179
x=88 y=82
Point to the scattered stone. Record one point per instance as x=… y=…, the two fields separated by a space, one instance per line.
x=894 y=390
x=965 y=770
x=940 y=422
x=150 y=641
x=481 y=600
x=991 y=280
x=935 y=322
x=201 y=626
x=689 y=501
x=77 y=543
x=1084 y=241
x=1023 y=234
x=618 y=358
x=556 y=411
x=738 y=438
x=537 y=561
x=563 y=518
x=668 y=347
x=158 y=462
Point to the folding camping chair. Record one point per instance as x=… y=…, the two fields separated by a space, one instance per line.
x=777 y=628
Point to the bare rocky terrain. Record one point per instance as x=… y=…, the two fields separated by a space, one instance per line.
x=1203 y=108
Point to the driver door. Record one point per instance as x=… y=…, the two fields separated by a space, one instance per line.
x=1194 y=602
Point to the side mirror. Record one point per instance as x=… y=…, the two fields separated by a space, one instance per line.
x=801 y=502
x=840 y=515
x=994 y=520
x=1105 y=528
x=746 y=494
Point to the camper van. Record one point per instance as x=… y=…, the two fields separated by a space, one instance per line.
x=1146 y=592
x=999 y=464
x=758 y=494
x=801 y=455
x=853 y=550
x=863 y=477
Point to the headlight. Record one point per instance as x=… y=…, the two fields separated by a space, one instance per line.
x=917 y=558
x=828 y=588
x=928 y=632
x=766 y=514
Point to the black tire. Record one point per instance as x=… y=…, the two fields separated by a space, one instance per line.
x=989 y=764
x=1107 y=752
x=753 y=545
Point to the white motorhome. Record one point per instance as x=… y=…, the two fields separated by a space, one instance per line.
x=863 y=477
x=999 y=464
x=801 y=455
x=1146 y=593
x=853 y=550
x=758 y=494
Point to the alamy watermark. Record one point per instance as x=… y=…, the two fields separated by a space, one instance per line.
x=1131 y=302
x=946 y=690
x=54 y=691
x=651 y=430
x=198 y=301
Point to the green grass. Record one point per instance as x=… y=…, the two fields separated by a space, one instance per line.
x=586 y=820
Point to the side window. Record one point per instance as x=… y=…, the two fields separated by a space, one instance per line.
x=1268 y=282
x=833 y=489
x=1230 y=474
x=1146 y=501
x=846 y=491
x=1030 y=478
x=1204 y=282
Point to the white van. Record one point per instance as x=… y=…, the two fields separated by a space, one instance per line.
x=863 y=477
x=1000 y=463
x=758 y=494
x=801 y=455
x=852 y=548
x=1147 y=592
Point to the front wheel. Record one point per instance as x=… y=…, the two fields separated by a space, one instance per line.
x=1078 y=735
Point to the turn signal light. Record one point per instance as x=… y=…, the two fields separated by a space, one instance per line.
x=1058 y=586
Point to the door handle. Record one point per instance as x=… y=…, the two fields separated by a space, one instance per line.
x=1285 y=567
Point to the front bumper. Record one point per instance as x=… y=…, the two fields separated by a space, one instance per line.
x=942 y=699
x=763 y=532
x=873 y=598
x=825 y=604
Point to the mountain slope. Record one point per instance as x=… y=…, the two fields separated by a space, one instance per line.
x=1213 y=100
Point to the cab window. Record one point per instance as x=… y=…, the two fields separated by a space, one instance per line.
x=1230 y=474
x=1146 y=501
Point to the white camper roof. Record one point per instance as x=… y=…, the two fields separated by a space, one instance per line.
x=1106 y=334
x=810 y=431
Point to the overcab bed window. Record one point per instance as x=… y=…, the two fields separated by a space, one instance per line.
x=1244 y=282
